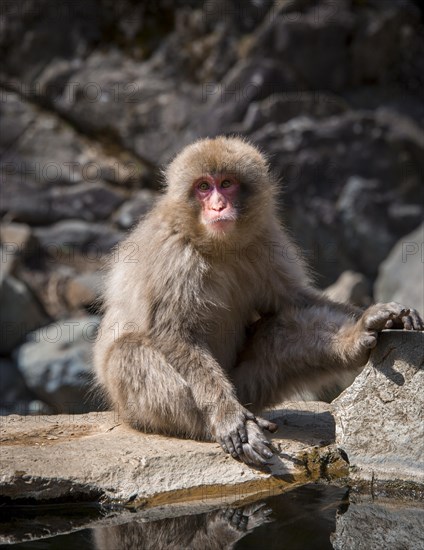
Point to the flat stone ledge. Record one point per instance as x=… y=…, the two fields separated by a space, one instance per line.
x=95 y=457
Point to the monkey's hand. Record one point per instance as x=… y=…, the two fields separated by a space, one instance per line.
x=247 y=518
x=380 y=316
x=237 y=432
x=256 y=450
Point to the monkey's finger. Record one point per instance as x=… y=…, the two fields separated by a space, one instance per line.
x=229 y=513
x=251 y=456
x=407 y=322
x=236 y=443
x=261 y=446
x=266 y=424
x=242 y=433
x=398 y=318
x=244 y=520
x=251 y=509
x=238 y=514
x=228 y=444
x=224 y=446
x=417 y=322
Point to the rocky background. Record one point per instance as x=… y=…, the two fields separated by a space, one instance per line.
x=97 y=95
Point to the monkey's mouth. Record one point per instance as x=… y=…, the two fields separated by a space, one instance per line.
x=221 y=223
x=221 y=219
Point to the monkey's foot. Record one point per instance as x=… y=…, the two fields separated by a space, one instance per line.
x=380 y=316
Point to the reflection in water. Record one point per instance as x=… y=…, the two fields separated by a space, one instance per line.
x=215 y=530
x=302 y=519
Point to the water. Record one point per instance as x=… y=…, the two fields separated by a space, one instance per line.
x=301 y=519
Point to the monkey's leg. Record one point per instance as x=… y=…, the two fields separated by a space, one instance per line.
x=181 y=392
x=148 y=391
x=305 y=348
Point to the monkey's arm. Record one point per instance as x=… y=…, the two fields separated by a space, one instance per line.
x=304 y=347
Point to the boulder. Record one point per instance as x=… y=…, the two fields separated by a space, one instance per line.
x=401 y=275
x=314 y=38
x=17 y=235
x=281 y=107
x=20 y=313
x=64 y=241
x=56 y=364
x=379 y=523
x=83 y=290
x=352 y=288
x=75 y=28
x=87 y=201
x=380 y=417
x=132 y=210
x=16 y=240
x=350 y=187
x=14 y=395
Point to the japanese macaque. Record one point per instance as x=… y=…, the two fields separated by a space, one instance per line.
x=210 y=314
x=216 y=530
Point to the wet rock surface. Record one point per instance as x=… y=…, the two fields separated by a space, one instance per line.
x=379 y=524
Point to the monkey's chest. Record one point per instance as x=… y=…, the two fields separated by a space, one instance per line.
x=226 y=328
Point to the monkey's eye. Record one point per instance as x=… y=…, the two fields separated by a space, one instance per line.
x=226 y=183
x=203 y=186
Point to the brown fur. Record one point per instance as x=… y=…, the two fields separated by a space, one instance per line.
x=217 y=530
x=179 y=352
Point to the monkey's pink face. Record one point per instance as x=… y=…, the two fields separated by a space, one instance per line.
x=217 y=196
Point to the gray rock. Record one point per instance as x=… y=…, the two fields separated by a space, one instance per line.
x=16 y=240
x=75 y=27
x=250 y=80
x=352 y=288
x=282 y=107
x=63 y=240
x=380 y=418
x=16 y=234
x=16 y=117
x=340 y=175
x=86 y=201
x=14 y=394
x=83 y=290
x=379 y=524
x=314 y=38
x=56 y=364
x=386 y=48
x=20 y=313
x=131 y=211
x=401 y=275
x=359 y=218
